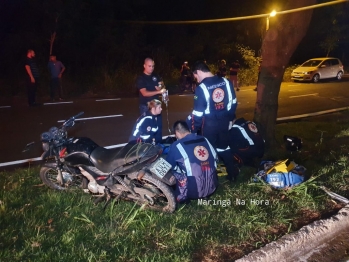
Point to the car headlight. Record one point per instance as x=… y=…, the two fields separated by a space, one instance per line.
x=308 y=73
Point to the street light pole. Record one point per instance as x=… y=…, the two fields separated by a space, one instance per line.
x=272 y=14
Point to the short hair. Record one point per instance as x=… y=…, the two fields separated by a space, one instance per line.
x=148 y=59
x=30 y=50
x=181 y=127
x=200 y=65
x=153 y=103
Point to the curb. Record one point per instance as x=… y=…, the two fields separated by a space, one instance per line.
x=293 y=246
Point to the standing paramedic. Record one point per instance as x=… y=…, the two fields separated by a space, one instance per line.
x=193 y=161
x=214 y=104
x=150 y=86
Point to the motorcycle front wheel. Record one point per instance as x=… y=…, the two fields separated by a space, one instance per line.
x=164 y=200
x=49 y=175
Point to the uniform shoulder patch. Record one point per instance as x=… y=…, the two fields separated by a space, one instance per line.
x=201 y=153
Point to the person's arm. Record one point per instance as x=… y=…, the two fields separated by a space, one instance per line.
x=29 y=71
x=147 y=93
x=62 y=70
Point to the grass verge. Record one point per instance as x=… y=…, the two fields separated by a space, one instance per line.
x=39 y=224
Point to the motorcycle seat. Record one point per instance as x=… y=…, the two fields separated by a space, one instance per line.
x=108 y=160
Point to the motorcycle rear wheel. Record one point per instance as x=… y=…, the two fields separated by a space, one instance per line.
x=164 y=201
x=49 y=175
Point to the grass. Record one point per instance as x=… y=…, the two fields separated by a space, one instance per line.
x=39 y=224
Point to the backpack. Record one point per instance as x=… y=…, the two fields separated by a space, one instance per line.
x=281 y=174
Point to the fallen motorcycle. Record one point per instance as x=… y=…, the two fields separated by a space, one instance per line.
x=135 y=172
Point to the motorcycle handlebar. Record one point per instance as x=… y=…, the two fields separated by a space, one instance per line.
x=72 y=119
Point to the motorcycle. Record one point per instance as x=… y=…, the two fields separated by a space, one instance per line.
x=187 y=83
x=135 y=172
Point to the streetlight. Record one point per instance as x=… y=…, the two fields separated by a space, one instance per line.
x=273 y=13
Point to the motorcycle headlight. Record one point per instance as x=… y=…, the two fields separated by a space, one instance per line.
x=45 y=146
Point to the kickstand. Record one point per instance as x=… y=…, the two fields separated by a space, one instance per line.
x=108 y=196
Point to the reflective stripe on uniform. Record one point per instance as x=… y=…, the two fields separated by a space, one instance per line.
x=243 y=132
x=186 y=159
x=139 y=124
x=213 y=152
x=207 y=98
x=197 y=113
x=230 y=101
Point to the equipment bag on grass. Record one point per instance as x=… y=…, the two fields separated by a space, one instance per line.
x=281 y=174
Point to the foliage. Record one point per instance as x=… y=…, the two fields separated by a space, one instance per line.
x=39 y=224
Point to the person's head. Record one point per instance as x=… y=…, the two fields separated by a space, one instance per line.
x=185 y=64
x=148 y=66
x=53 y=58
x=201 y=70
x=223 y=63
x=30 y=53
x=181 y=129
x=154 y=107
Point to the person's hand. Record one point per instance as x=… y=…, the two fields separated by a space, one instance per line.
x=162 y=90
x=32 y=79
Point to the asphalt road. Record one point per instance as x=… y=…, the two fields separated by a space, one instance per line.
x=109 y=121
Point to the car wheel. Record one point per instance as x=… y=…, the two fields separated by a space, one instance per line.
x=339 y=75
x=316 y=78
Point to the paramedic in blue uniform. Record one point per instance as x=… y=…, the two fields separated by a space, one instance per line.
x=150 y=86
x=146 y=127
x=214 y=104
x=240 y=144
x=193 y=161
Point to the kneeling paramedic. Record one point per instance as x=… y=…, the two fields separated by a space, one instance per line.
x=239 y=146
x=193 y=161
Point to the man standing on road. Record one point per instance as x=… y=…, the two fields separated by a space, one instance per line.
x=214 y=104
x=56 y=69
x=33 y=75
x=233 y=72
x=193 y=161
x=150 y=86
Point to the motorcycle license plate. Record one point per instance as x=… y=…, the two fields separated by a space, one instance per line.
x=160 y=167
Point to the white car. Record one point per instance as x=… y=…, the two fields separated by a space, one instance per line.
x=318 y=68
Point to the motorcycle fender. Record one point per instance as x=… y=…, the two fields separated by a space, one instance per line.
x=49 y=164
x=168 y=179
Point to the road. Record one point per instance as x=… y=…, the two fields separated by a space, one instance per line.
x=109 y=121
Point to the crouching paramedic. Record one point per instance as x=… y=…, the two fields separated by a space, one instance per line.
x=239 y=146
x=214 y=104
x=193 y=161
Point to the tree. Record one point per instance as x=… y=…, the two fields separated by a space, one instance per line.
x=278 y=45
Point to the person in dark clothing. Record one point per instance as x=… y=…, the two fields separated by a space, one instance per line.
x=56 y=69
x=32 y=79
x=239 y=146
x=233 y=74
x=150 y=86
x=222 y=69
x=193 y=161
x=214 y=104
x=146 y=126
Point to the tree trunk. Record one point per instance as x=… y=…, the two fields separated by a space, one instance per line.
x=279 y=43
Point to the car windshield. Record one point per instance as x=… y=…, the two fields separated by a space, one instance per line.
x=312 y=63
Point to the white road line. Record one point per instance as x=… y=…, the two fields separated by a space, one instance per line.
x=107 y=99
x=5 y=106
x=186 y=95
x=315 y=94
x=89 y=118
x=294 y=85
x=312 y=114
x=52 y=103
x=39 y=158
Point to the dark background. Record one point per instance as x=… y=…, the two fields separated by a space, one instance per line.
x=103 y=52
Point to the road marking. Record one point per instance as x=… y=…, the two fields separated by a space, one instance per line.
x=52 y=103
x=107 y=99
x=186 y=95
x=294 y=85
x=315 y=94
x=89 y=118
x=312 y=114
x=5 y=106
x=39 y=158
